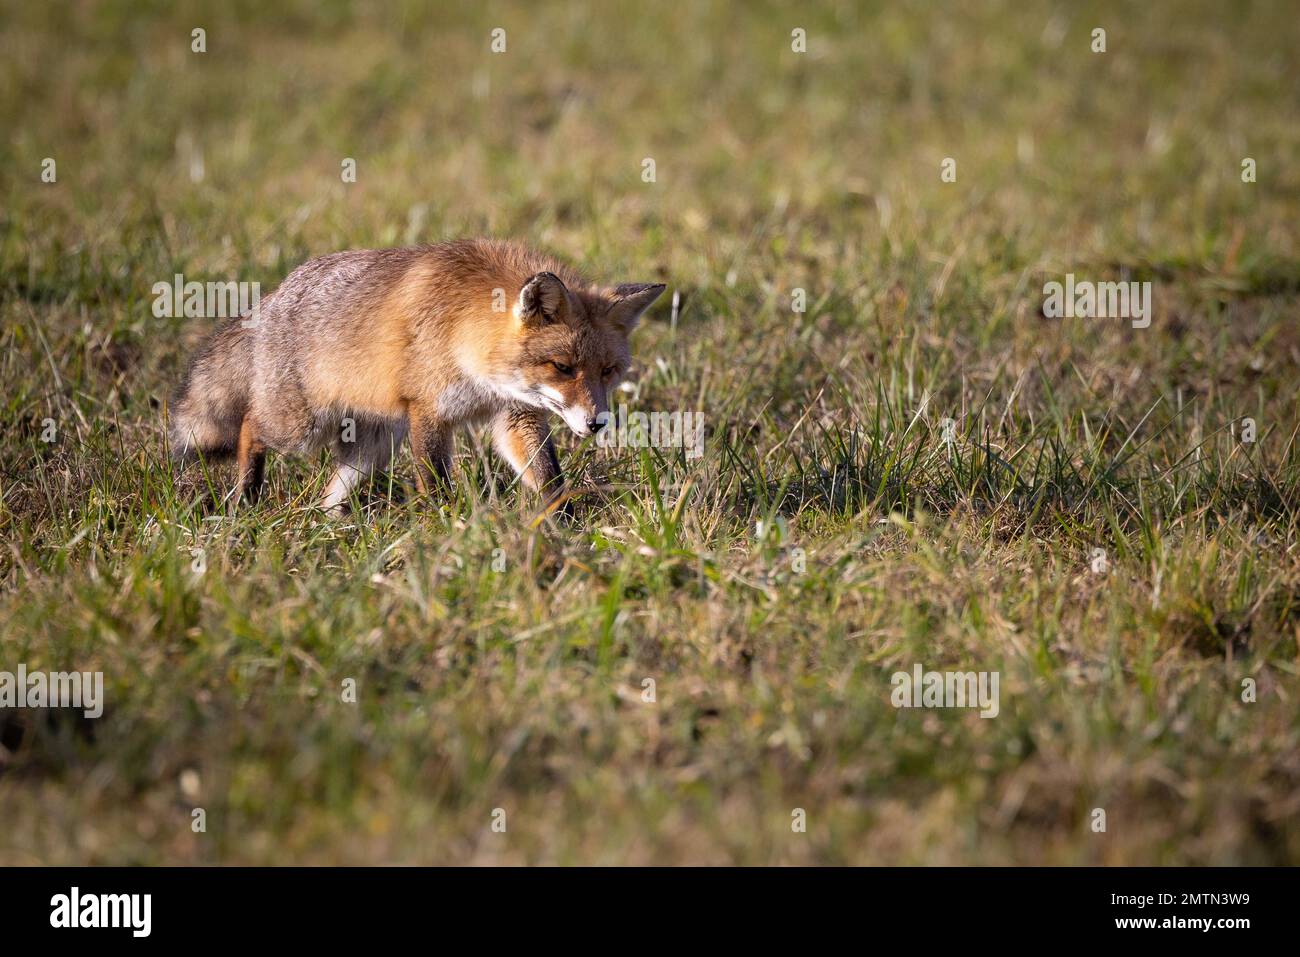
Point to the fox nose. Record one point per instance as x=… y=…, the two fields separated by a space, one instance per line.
x=596 y=424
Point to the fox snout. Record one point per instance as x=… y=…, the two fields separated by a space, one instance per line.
x=588 y=414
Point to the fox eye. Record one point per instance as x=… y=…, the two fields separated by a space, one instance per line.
x=562 y=369
x=608 y=371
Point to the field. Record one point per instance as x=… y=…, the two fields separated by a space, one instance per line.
x=905 y=462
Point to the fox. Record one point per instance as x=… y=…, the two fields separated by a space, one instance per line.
x=358 y=351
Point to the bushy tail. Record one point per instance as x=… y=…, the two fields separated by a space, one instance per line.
x=208 y=409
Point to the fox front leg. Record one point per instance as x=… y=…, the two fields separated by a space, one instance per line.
x=431 y=442
x=522 y=437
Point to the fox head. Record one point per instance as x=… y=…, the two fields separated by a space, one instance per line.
x=573 y=346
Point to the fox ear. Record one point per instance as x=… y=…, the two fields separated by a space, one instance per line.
x=630 y=300
x=543 y=300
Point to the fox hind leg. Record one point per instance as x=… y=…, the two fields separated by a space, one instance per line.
x=359 y=460
x=250 y=458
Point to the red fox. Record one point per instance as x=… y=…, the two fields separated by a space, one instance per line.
x=357 y=350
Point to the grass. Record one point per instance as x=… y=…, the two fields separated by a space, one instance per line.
x=827 y=538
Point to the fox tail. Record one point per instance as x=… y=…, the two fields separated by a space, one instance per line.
x=208 y=409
